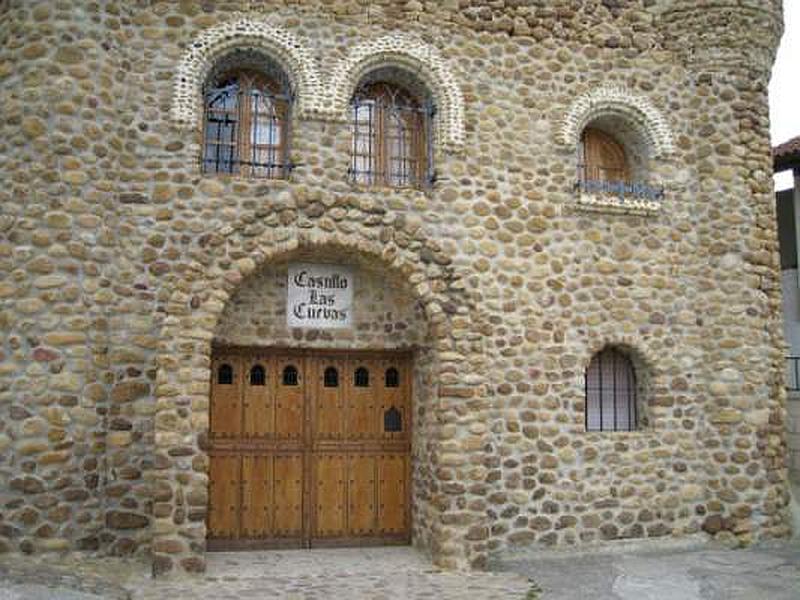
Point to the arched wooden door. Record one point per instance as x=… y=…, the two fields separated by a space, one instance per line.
x=309 y=448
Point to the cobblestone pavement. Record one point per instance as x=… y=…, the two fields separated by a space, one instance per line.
x=346 y=574
x=640 y=572
x=53 y=577
x=767 y=572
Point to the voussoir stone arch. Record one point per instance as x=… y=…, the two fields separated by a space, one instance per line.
x=634 y=109
x=275 y=243
x=636 y=346
x=245 y=33
x=191 y=314
x=647 y=364
x=417 y=57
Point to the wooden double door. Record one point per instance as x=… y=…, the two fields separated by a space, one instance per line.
x=309 y=449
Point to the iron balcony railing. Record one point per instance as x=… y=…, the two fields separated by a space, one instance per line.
x=793 y=373
x=614 y=182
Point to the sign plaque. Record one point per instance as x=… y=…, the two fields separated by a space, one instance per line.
x=319 y=296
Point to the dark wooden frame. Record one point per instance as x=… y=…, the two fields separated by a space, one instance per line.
x=248 y=81
x=384 y=95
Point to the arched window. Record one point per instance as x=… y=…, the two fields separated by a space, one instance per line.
x=392 y=378
x=258 y=376
x=391 y=143
x=611 y=392
x=392 y=420
x=225 y=375
x=361 y=377
x=331 y=377
x=602 y=157
x=290 y=375
x=247 y=114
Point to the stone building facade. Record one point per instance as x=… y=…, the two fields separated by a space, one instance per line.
x=122 y=263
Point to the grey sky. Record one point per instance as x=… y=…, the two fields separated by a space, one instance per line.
x=784 y=89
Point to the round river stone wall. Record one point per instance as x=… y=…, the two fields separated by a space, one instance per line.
x=121 y=262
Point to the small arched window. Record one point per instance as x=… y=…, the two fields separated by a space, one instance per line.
x=611 y=403
x=392 y=378
x=290 y=375
x=247 y=114
x=391 y=143
x=361 y=377
x=225 y=375
x=392 y=421
x=602 y=157
x=331 y=377
x=258 y=376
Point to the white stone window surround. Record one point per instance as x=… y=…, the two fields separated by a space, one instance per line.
x=423 y=62
x=317 y=97
x=636 y=110
x=283 y=47
x=640 y=116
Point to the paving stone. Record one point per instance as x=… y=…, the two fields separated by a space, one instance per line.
x=770 y=571
x=767 y=572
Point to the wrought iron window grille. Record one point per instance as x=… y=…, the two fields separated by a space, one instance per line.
x=392 y=138
x=610 y=393
x=247 y=129
x=793 y=373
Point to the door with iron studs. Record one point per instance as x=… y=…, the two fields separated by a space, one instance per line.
x=309 y=449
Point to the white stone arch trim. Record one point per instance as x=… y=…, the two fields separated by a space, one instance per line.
x=637 y=110
x=412 y=54
x=286 y=49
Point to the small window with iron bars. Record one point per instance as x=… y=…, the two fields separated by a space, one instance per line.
x=247 y=118
x=392 y=138
x=611 y=393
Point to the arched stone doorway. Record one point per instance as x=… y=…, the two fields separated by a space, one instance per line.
x=311 y=436
x=427 y=310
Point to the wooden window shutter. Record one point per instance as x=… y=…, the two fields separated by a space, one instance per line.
x=604 y=157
